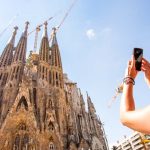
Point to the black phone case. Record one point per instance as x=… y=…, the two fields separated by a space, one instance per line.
x=138 y=54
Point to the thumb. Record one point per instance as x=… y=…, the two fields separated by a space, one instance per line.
x=133 y=60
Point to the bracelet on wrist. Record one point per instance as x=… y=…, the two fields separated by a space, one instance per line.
x=128 y=80
x=129 y=77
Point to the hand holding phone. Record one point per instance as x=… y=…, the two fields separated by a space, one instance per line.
x=138 y=55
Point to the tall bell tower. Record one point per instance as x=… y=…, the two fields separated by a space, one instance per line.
x=16 y=71
x=5 y=62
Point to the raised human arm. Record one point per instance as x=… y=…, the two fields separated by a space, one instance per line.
x=135 y=119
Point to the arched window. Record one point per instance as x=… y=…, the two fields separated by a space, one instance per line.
x=22 y=126
x=55 y=57
x=43 y=73
x=25 y=141
x=46 y=74
x=34 y=97
x=51 y=146
x=50 y=104
x=60 y=81
x=17 y=142
x=23 y=103
x=53 y=78
x=21 y=140
x=40 y=70
x=51 y=126
x=57 y=82
x=79 y=122
x=0 y=76
x=50 y=77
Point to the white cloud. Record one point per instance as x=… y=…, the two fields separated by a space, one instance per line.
x=90 y=33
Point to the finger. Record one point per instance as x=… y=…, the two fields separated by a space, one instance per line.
x=143 y=69
x=145 y=65
x=145 y=61
x=133 y=61
x=129 y=62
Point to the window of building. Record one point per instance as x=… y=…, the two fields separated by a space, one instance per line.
x=50 y=104
x=21 y=140
x=60 y=81
x=46 y=74
x=22 y=126
x=51 y=146
x=54 y=78
x=23 y=103
x=50 y=77
x=57 y=82
x=51 y=126
x=0 y=76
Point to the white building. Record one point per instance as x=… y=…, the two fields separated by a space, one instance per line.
x=137 y=141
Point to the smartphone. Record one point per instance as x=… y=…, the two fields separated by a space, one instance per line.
x=138 y=55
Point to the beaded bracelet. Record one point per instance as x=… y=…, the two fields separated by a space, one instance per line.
x=128 y=77
x=128 y=80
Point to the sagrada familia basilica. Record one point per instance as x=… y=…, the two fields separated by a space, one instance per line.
x=40 y=108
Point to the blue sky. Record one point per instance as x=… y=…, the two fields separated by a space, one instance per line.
x=96 y=41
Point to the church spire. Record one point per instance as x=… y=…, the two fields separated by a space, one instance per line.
x=45 y=30
x=12 y=38
x=92 y=116
x=91 y=107
x=81 y=99
x=55 y=53
x=53 y=38
x=15 y=73
x=44 y=47
x=7 y=55
x=55 y=61
x=18 y=61
x=20 y=52
x=25 y=32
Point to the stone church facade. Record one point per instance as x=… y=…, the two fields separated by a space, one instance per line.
x=40 y=108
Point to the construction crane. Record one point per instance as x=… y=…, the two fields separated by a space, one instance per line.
x=66 y=14
x=36 y=38
x=9 y=24
x=64 y=18
x=118 y=91
x=39 y=26
x=36 y=30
